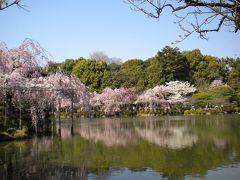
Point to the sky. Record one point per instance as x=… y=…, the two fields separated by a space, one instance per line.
x=77 y=28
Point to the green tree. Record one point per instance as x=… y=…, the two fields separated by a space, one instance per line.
x=234 y=74
x=90 y=72
x=194 y=58
x=234 y=79
x=154 y=72
x=168 y=65
x=53 y=67
x=68 y=65
x=204 y=69
x=112 y=78
x=216 y=67
x=132 y=74
x=238 y=96
x=113 y=67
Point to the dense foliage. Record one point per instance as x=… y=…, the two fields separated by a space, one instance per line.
x=169 y=64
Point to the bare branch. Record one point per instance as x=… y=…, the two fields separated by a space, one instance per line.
x=5 y=4
x=207 y=14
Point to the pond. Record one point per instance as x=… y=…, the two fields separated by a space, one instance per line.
x=167 y=147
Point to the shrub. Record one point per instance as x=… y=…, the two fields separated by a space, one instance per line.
x=214 y=95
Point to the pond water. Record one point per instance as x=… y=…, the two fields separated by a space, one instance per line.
x=168 y=147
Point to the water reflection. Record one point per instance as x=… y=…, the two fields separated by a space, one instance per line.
x=123 y=133
x=172 y=137
x=172 y=147
x=107 y=132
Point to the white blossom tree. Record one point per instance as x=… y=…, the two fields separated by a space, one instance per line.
x=179 y=90
x=166 y=96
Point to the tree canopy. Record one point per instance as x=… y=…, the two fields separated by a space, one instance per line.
x=90 y=72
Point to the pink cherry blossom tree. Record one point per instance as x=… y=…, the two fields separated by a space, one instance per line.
x=25 y=59
x=155 y=95
x=111 y=100
x=20 y=70
x=45 y=93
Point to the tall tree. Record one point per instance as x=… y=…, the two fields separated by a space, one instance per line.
x=133 y=71
x=234 y=76
x=203 y=69
x=154 y=72
x=111 y=77
x=68 y=65
x=168 y=65
x=90 y=73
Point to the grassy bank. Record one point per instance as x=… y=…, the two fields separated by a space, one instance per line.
x=14 y=134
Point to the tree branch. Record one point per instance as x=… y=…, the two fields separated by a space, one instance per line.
x=228 y=13
x=5 y=5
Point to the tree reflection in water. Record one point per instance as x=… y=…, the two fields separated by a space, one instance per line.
x=174 y=147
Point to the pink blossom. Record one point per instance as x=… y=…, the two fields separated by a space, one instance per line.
x=216 y=83
x=111 y=99
x=20 y=76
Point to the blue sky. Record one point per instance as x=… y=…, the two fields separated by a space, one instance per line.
x=76 y=28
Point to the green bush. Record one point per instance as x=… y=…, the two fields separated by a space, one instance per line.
x=213 y=95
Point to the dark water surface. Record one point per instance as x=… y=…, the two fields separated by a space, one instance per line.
x=169 y=147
